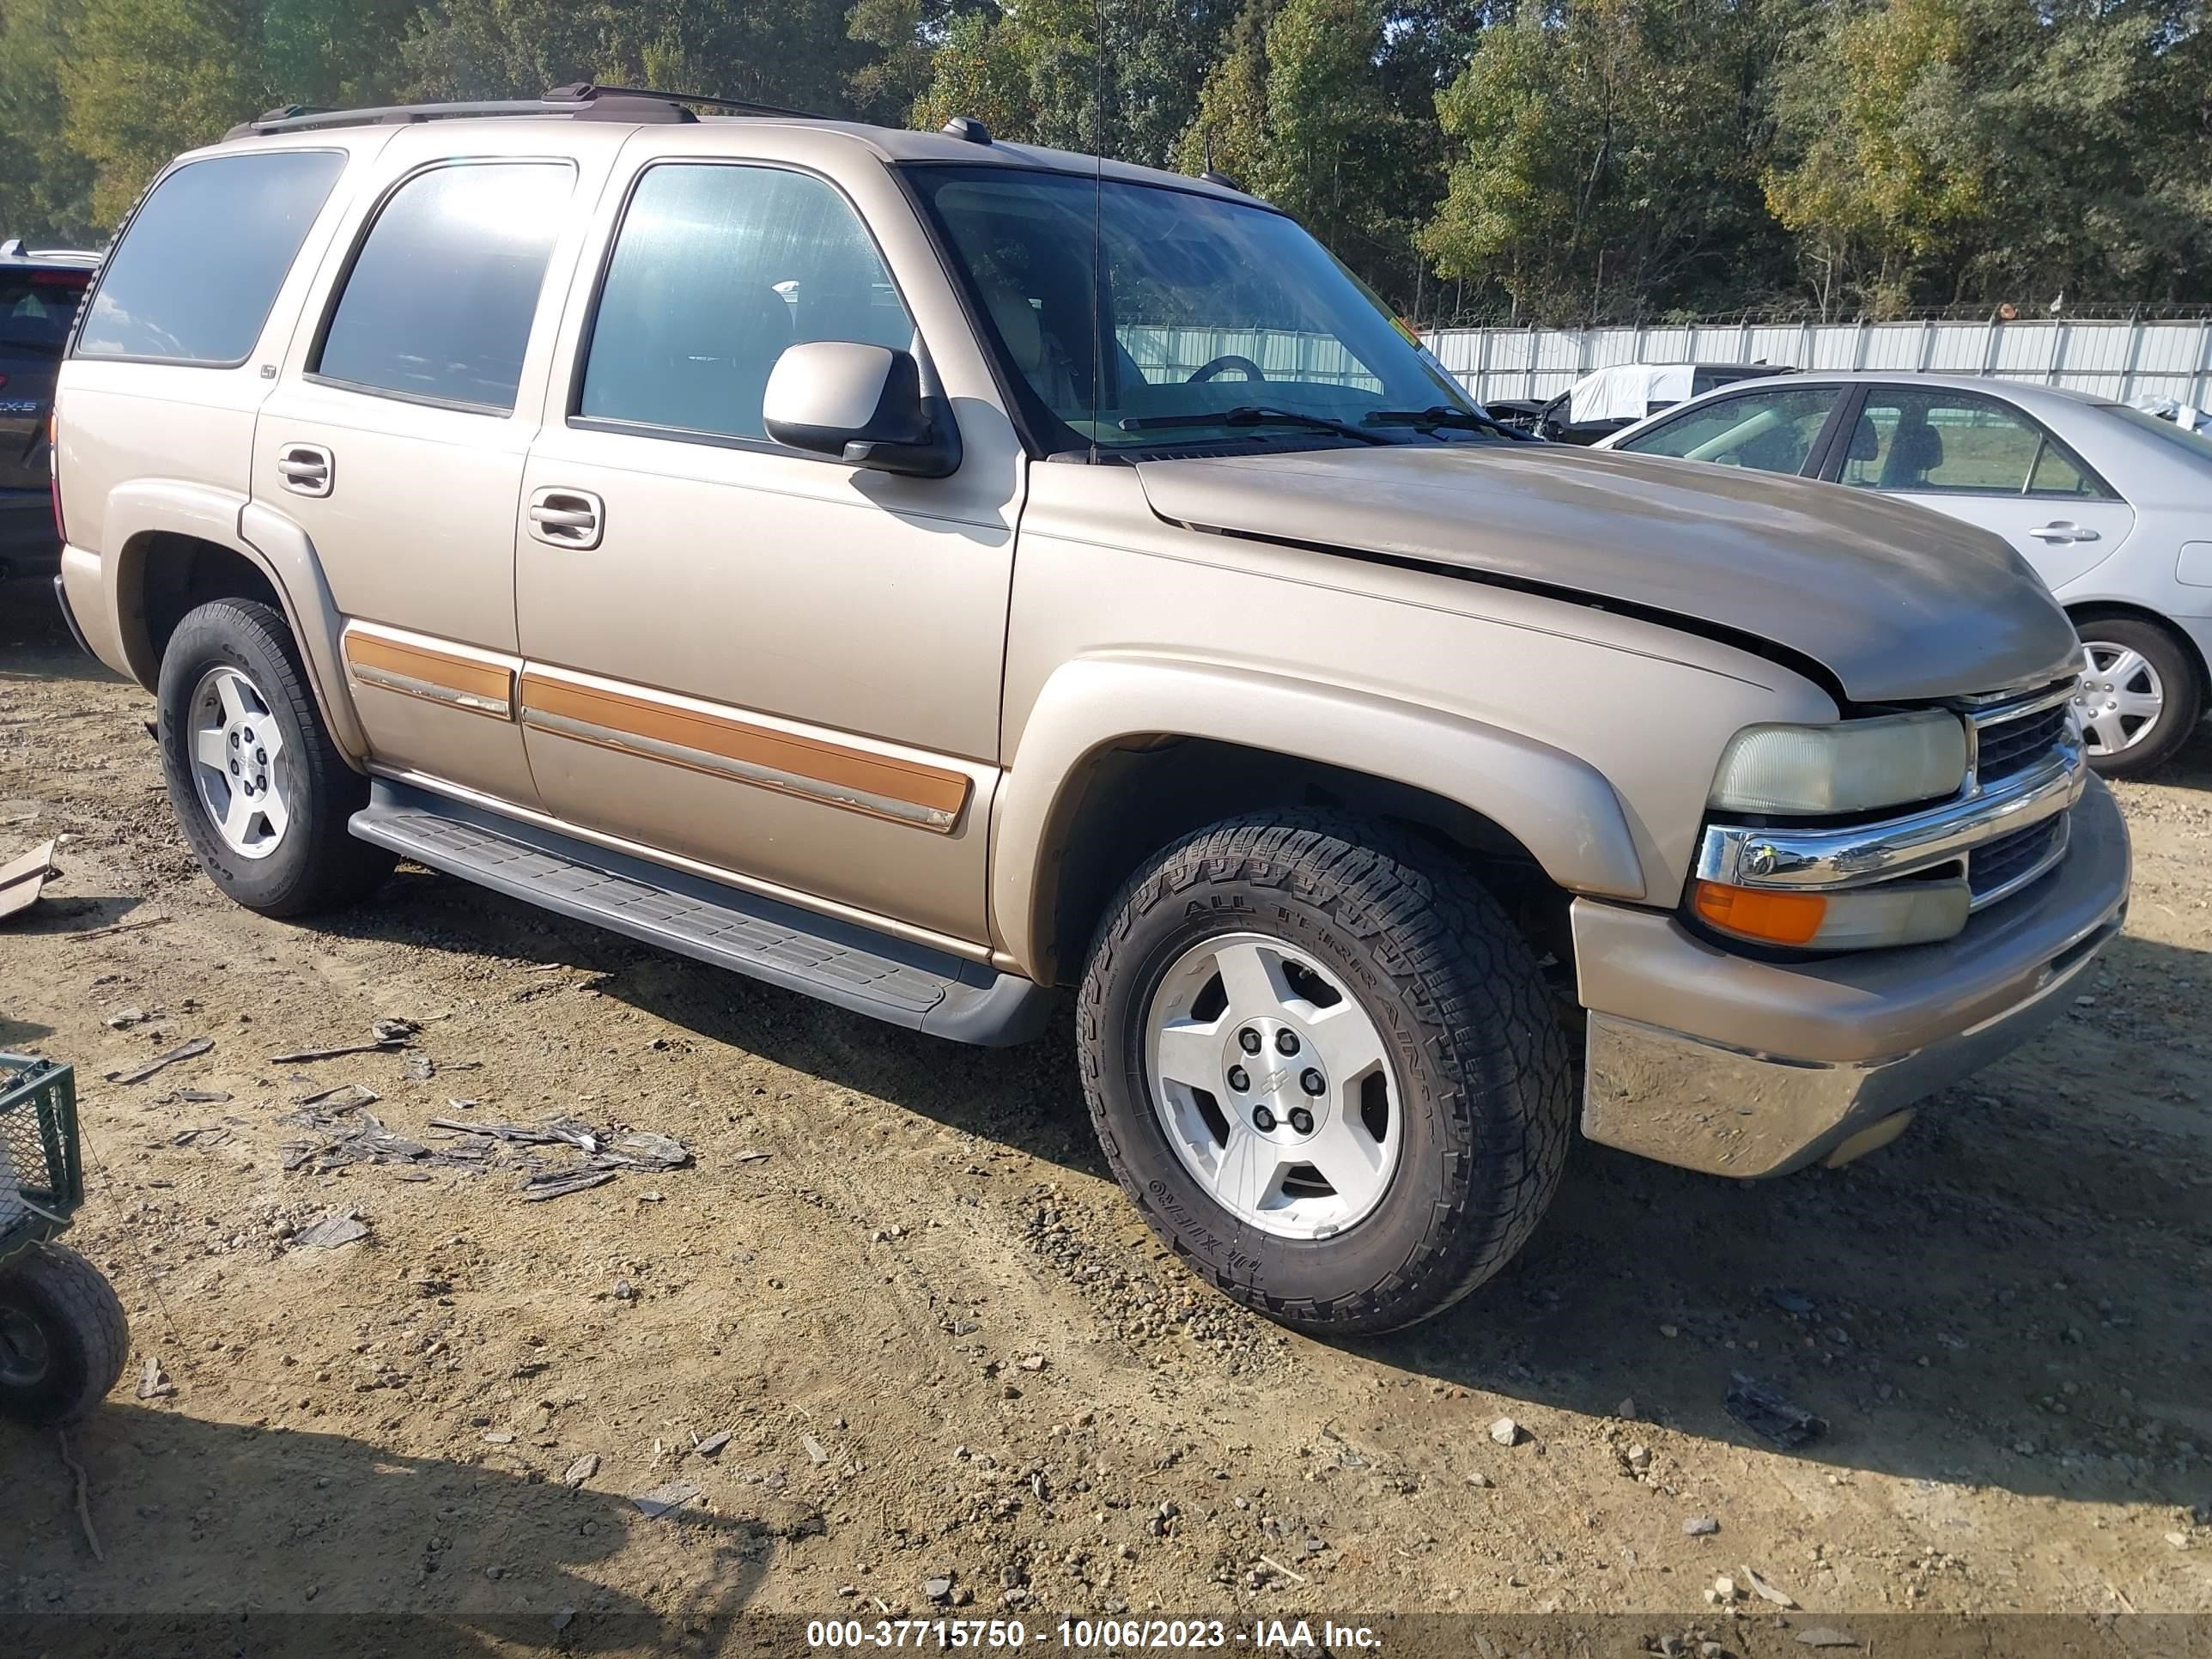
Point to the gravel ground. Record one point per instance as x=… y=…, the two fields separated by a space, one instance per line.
x=893 y=1343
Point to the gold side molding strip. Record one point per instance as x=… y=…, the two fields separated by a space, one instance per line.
x=423 y=671
x=881 y=785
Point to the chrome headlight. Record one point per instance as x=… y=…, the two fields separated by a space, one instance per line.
x=1849 y=767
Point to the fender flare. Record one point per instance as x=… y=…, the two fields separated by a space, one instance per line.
x=282 y=549
x=1561 y=808
x=266 y=540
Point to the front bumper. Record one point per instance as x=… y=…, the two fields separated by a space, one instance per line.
x=1723 y=1063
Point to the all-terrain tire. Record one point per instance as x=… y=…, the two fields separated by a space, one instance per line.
x=65 y=1335
x=315 y=865
x=1479 y=1061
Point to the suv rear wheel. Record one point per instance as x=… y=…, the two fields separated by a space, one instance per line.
x=1324 y=1064
x=261 y=792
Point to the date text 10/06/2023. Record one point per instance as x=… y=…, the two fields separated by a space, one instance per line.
x=1098 y=1635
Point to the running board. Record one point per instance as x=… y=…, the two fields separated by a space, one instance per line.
x=841 y=962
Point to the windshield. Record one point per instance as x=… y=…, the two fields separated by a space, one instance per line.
x=2191 y=443
x=36 y=309
x=1208 y=306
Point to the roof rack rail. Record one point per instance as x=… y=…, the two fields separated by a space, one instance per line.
x=705 y=101
x=583 y=100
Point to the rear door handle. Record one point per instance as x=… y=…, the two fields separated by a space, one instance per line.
x=566 y=518
x=307 y=469
x=2061 y=530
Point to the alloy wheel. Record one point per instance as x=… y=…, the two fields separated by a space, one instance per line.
x=1272 y=1086
x=238 y=763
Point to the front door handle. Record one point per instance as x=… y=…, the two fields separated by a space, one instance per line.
x=2063 y=529
x=307 y=469
x=566 y=518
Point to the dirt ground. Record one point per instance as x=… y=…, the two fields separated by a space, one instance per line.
x=941 y=1346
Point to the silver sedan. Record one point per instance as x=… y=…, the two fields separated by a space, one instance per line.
x=2112 y=507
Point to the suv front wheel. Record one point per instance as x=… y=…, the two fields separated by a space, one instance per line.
x=1323 y=1063
x=260 y=790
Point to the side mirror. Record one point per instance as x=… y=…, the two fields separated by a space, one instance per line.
x=861 y=403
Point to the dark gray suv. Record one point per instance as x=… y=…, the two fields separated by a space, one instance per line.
x=40 y=291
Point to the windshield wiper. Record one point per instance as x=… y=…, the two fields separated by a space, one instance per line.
x=1253 y=415
x=1445 y=415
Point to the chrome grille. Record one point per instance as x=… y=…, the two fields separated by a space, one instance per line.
x=2006 y=829
x=2006 y=747
x=2001 y=866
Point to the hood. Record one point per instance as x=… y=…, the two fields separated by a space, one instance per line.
x=1898 y=603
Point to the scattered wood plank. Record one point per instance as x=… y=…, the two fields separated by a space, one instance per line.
x=341 y=1097
x=379 y=1047
x=183 y=1051
x=115 y=927
x=20 y=879
x=561 y=1183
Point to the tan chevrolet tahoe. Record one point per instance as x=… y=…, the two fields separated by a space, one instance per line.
x=958 y=580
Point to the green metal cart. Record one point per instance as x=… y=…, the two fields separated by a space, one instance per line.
x=63 y=1335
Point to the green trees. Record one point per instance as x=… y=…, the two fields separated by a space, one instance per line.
x=1954 y=150
x=137 y=80
x=1611 y=160
x=795 y=52
x=1035 y=71
x=45 y=183
x=1309 y=106
x=1554 y=158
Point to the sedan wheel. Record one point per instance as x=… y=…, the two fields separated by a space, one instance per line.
x=2139 y=697
x=2121 y=696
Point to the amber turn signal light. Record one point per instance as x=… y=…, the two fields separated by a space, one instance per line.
x=1752 y=913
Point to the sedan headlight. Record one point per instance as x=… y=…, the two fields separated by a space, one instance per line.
x=1849 y=767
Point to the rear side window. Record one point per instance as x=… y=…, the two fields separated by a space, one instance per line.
x=1953 y=442
x=202 y=257
x=715 y=271
x=36 y=308
x=438 y=304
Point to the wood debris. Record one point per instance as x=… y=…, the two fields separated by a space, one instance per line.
x=20 y=879
x=557 y=1183
x=115 y=927
x=300 y=1056
x=330 y=1230
x=605 y=1152
x=183 y=1051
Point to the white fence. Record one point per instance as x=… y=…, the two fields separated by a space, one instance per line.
x=2118 y=360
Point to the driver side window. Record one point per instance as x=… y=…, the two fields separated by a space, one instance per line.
x=716 y=270
x=1762 y=431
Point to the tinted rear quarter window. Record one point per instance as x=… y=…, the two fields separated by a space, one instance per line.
x=440 y=300
x=200 y=264
x=36 y=309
